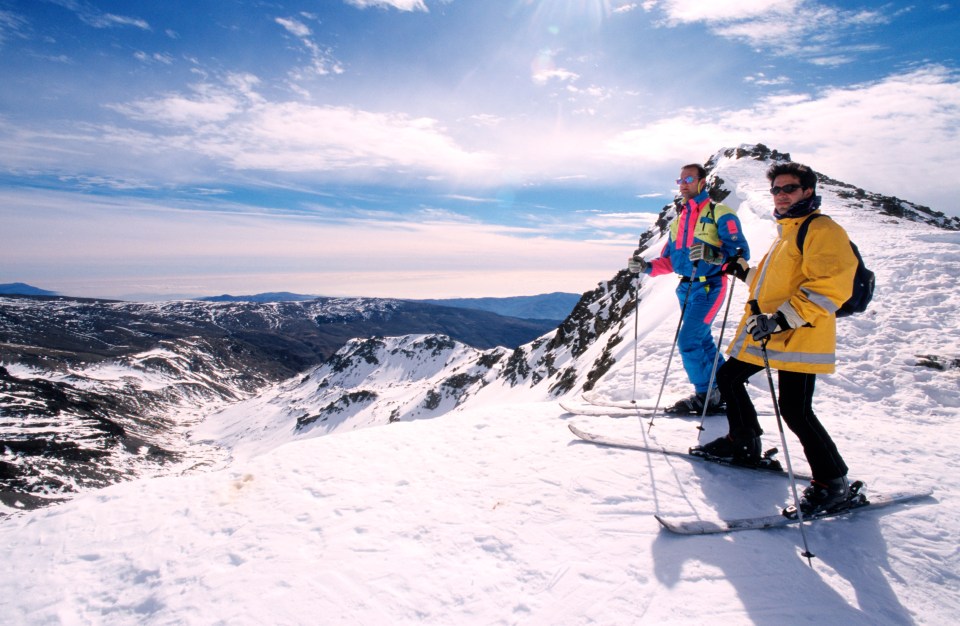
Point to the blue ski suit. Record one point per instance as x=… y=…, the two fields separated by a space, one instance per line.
x=700 y=221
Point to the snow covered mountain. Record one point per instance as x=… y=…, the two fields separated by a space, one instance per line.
x=94 y=392
x=304 y=512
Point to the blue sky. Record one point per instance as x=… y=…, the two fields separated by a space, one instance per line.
x=431 y=148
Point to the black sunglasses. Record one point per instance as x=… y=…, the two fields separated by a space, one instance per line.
x=785 y=189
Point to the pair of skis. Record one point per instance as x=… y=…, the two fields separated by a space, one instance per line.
x=858 y=500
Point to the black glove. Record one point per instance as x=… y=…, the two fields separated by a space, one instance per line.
x=736 y=266
x=765 y=324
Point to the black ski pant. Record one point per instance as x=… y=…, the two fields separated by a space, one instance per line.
x=795 y=391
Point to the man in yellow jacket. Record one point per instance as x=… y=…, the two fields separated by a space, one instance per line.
x=797 y=295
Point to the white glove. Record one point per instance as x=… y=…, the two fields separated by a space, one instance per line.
x=636 y=264
x=708 y=254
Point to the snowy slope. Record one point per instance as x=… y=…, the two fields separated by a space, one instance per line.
x=494 y=514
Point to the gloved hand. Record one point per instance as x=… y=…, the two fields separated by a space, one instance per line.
x=765 y=324
x=736 y=266
x=703 y=252
x=636 y=264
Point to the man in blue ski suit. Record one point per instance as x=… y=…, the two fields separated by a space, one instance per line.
x=703 y=237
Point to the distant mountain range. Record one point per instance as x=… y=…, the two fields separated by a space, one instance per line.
x=23 y=289
x=549 y=306
x=270 y=296
x=553 y=307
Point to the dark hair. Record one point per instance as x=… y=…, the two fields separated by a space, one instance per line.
x=808 y=178
x=701 y=173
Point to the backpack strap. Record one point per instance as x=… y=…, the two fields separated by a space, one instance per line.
x=802 y=232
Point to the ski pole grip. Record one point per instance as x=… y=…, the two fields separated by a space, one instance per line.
x=754 y=307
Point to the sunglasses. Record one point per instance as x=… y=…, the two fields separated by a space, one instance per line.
x=688 y=180
x=785 y=189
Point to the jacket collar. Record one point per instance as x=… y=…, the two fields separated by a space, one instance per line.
x=697 y=202
x=801 y=209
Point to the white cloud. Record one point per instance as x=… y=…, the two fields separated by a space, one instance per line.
x=402 y=5
x=295 y=27
x=233 y=125
x=208 y=105
x=543 y=76
x=10 y=24
x=725 y=10
x=299 y=137
x=322 y=60
x=856 y=134
x=807 y=28
x=109 y=19
x=766 y=81
x=156 y=57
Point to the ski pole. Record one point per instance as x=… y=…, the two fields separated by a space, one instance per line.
x=716 y=359
x=636 y=336
x=676 y=335
x=755 y=310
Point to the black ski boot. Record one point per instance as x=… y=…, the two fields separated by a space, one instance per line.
x=829 y=497
x=745 y=451
x=824 y=496
x=694 y=404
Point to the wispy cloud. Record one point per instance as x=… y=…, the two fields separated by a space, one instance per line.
x=11 y=25
x=109 y=20
x=806 y=28
x=156 y=57
x=545 y=75
x=233 y=125
x=402 y=5
x=766 y=81
x=296 y=28
x=92 y=16
x=322 y=60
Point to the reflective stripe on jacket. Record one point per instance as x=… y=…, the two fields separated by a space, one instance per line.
x=706 y=222
x=814 y=284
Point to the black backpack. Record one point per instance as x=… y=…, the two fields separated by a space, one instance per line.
x=863 y=280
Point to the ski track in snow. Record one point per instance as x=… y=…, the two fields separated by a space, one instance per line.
x=496 y=514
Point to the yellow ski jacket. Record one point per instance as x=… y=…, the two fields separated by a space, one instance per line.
x=808 y=288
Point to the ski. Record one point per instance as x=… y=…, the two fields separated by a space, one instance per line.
x=643 y=403
x=768 y=465
x=616 y=411
x=627 y=408
x=706 y=527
